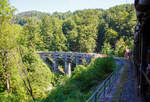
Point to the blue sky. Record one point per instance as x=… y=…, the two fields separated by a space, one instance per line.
x=51 y=6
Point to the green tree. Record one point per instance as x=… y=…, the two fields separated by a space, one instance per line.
x=37 y=73
x=120 y=47
x=102 y=28
x=87 y=23
x=70 y=31
x=30 y=34
x=6 y=11
x=12 y=87
x=110 y=36
x=68 y=25
x=107 y=49
x=62 y=16
x=52 y=36
x=59 y=41
x=87 y=38
x=129 y=42
x=46 y=33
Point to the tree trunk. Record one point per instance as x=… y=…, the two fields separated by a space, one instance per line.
x=4 y=63
x=8 y=86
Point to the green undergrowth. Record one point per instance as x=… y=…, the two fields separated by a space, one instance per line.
x=77 y=88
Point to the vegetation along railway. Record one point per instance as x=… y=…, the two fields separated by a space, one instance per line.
x=24 y=77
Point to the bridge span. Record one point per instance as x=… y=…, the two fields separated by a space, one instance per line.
x=68 y=58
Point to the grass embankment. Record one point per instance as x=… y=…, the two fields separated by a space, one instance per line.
x=78 y=87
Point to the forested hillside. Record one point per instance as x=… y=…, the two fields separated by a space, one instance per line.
x=91 y=30
x=25 y=77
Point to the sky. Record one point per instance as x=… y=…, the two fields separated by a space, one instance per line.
x=51 y=6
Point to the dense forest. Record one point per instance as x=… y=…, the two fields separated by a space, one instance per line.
x=25 y=77
x=90 y=30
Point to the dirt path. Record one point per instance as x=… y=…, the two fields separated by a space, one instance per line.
x=124 y=89
x=129 y=92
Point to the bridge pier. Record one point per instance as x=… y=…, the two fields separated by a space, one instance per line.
x=80 y=61
x=68 y=68
x=55 y=65
x=88 y=60
x=77 y=61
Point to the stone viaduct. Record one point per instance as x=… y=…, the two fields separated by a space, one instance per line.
x=67 y=58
